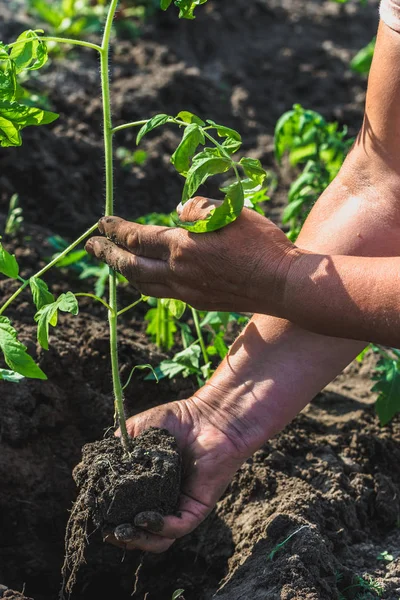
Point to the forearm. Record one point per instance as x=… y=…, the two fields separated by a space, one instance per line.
x=275 y=368
x=349 y=297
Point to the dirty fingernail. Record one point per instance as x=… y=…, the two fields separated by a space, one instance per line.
x=126 y=533
x=150 y=520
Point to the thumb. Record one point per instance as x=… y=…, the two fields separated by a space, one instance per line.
x=196 y=209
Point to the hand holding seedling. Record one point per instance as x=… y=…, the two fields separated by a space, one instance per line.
x=211 y=452
x=229 y=270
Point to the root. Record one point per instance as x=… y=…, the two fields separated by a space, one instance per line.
x=75 y=543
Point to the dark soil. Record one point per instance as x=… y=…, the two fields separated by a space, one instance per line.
x=333 y=476
x=118 y=491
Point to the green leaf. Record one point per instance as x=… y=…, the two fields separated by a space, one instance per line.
x=187 y=7
x=175 y=595
x=167 y=368
x=254 y=170
x=14 y=117
x=209 y=162
x=40 y=293
x=8 y=83
x=165 y=4
x=388 y=388
x=306 y=179
x=233 y=139
x=72 y=258
x=192 y=137
x=189 y=117
x=221 y=216
x=218 y=347
x=156 y=121
x=30 y=52
x=362 y=61
x=293 y=209
x=175 y=307
x=8 y=264
x=48 y=315
x=10 y=376
x=15 y=353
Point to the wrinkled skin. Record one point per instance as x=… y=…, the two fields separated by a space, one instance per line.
x=206 y=270
x=211 y=457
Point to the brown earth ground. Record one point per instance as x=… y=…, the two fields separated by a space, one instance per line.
x=333 y=475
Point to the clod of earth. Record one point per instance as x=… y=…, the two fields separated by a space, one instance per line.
x=119 y=492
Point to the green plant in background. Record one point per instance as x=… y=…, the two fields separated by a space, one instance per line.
x=319 y=148
x=218 y=145
x=362 y=61
x=14 y=218
x=363 y=588
x=316 y=146
x=79 y=18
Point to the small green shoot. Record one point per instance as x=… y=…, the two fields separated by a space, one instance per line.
x=14 y=218
x=279 y=547
x=366 y=588
x=385 y=556
x=178 y=595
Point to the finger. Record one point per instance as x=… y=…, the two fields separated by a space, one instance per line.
x=196 y=209
x=147 y=542
x=143 y=240
x=191 y=514
x=134 y=268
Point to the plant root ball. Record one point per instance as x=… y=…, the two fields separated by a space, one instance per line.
x=120 y=492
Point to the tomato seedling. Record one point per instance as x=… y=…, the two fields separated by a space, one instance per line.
x=217 y=144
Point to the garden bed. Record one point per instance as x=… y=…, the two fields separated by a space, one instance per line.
x=333 y=475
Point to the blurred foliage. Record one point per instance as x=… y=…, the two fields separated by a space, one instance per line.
x=316 y=145
x=79 y=18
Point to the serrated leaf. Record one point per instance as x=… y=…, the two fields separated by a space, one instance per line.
x=209 y=162
x=15 y=116
x=388 y=388
x=192 y=137
x=8 y=263
x=30 y=52
x=40 y=293
x=175 y=307
x=233 y=139
x=187 y=7
x=254 y=170
x=221 y=216
x=15 y=353
x=189 y=117
x=8 y=83
x=156 y=121
x=48 y=315
x=167 y=368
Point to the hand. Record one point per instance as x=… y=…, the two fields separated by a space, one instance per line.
x=241 y=267
x=211 y=455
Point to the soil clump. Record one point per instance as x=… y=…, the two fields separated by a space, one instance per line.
x=117 y=491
